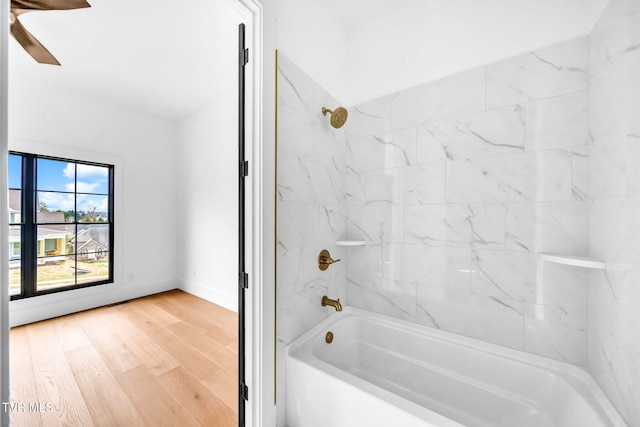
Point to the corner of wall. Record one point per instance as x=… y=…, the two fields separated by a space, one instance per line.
x=230 y=302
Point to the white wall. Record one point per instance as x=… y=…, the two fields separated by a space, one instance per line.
x=428 y=40
x=307 y=32
x=47 y=120
x=208 y=203
x=208 y=178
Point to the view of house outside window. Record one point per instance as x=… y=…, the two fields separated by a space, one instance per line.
x=61 y=227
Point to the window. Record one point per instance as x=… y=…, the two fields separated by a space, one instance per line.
x=61 y=229
x=15 y=250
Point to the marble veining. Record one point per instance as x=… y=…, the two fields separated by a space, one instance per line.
x=376 y=222
x=580 y=173
x=384 y=296
x=501 y=273
x=488 y=133
x=434 y=266
x=536 y=176
x=412 y=185
x=453 y=96
x=559 y=122
x=381 y=151
x=437 y=224
x=545 y=73
x=370 y=118
x=311 y=210
x=614 y=232
x=354 y=187
x=554 y=227
x=459 y=312
x=565 y=329
x=485 y=170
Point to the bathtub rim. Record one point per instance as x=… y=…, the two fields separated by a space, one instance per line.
x=577 y=377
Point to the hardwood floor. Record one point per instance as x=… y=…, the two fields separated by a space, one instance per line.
x=165 y=360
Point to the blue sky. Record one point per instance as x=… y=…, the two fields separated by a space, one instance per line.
x=55 y=176
x=15 y=170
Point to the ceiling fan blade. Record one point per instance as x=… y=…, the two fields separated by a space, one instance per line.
x=49 y=4
x=31 y=44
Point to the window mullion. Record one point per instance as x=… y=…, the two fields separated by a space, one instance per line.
x=29 y=229
x=75 y=222
x=111 y=221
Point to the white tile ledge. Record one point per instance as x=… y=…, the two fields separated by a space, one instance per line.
x=575 y=261
x=350 y=242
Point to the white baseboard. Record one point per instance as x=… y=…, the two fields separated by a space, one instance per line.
x=29 y=310
x=227 y=301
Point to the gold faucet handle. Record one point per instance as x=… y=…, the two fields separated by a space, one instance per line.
x=325 y=260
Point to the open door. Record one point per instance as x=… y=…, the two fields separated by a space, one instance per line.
x=243 y=282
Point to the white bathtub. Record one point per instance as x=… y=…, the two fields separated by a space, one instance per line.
x=380 y=371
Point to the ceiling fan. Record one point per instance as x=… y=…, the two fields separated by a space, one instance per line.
x=25 y=38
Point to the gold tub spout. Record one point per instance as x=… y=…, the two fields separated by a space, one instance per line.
x=335 y=303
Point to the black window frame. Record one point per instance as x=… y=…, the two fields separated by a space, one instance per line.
x=29 y=225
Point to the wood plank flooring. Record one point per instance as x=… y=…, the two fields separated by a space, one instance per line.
x=169 y=359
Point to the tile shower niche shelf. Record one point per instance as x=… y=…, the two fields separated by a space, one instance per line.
x=575 y=261
x=350 y=242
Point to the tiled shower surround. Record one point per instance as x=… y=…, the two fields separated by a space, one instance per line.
x=310 y=210
x=614 y=208
x=458 y=185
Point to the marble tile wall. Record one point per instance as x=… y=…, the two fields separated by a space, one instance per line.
x=311 y=206
x=614 y=206
x=459 y=184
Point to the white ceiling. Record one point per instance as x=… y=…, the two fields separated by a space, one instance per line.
x=352 y=13
x=159 y=57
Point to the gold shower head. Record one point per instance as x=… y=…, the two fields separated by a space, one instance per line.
x=338 y=116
